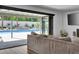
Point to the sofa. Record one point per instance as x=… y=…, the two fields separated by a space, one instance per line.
x=42 y=44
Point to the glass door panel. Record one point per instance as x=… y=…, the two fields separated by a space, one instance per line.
x=45 y=25
x=20 y=27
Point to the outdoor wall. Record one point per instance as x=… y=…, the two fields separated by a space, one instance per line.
x=57 y=23
x=69 y=28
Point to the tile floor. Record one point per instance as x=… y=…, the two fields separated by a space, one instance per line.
x=15 y=50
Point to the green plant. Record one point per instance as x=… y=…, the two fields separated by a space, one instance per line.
x=63 y=33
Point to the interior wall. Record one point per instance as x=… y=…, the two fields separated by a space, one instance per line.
x=57 y=20
x=69 y=28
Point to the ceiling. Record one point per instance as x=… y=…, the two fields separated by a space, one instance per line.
x=19 y=13
x=53 y=7
x=62 y=7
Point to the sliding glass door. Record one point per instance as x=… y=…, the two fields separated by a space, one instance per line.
x=19 y=27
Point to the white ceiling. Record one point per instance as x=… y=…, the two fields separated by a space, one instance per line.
x=54 y=7
x=62 y=7
x=19 y=13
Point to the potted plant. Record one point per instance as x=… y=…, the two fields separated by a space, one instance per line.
x=63 y=33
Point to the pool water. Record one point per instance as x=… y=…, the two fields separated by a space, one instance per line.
x=19 y=30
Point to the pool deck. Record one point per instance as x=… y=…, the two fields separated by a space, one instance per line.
x=16 y=36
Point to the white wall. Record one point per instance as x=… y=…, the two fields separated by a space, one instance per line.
x=69 y=28
x=57 y=18
x=58 y=24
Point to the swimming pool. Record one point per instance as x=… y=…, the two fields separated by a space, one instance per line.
x=19 y=30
